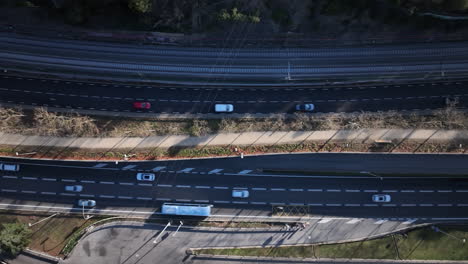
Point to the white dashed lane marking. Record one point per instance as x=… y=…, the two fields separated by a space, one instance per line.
x=105 y=182
x=49 y=179
x=67 y=194
x=86 y=195
x=68 y=180
x=215 y=171
x=85 y=181
x=185 y=170
x=223 y=202
x=100 y=165
x=106 y=196
x=245 y=171
x=278 y=189
x=159 y=168
x=128 y=167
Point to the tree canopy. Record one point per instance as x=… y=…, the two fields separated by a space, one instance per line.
x=140 y=6
x=14 y=237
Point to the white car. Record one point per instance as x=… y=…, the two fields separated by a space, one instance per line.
x=224 y=108
x=145 y=176
x=73 y=188
x=9 y=167
x=87 y=203
x=381 y=198
x=240 y=193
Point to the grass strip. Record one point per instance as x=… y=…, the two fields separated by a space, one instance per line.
x=419 y=244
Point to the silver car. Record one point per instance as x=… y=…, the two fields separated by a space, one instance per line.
x=145 y=176
x=73 y=188
x=240 y=193
x=381 y=198
x=224 y=108
x=87 y=203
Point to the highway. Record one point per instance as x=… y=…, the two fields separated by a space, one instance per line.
x=115 y=186
x=211 y=66
x=169 y=99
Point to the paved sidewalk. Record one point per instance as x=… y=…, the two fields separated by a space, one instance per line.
x=361 y=136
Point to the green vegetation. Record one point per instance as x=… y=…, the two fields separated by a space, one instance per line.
x=421 y=244
x=14 y=237
x=186 y=16
x=236 y=16
x=140 y=6
x=49 y=236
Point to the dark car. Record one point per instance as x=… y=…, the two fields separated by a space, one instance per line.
x=305 y=107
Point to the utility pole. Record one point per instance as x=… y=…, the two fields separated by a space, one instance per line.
x=371 y=174
x=181 y=223
x=156 y=239
x=87 y=216
x=289 y=72
x=42 y=220
x=435 y=228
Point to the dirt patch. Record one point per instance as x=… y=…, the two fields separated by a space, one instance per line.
x=51 y=235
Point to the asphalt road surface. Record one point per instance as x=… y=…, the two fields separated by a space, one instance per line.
x=233 y=65
x=170 y=99
x=114 y=187
x=149 y=244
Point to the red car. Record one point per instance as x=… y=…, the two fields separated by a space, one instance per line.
x=141 y=105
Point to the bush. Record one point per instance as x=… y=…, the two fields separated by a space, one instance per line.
x=14 y=238
x=236 y=16
x=76 y=12
x=281 y=16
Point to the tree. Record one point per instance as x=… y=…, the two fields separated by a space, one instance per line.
x=140 y=6
x=14 y=237
x=76 y=12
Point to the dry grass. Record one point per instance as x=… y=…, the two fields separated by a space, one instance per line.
x=10 y=119
x=41 y=122
x=47 y=123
